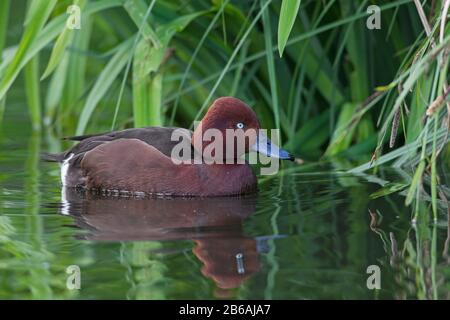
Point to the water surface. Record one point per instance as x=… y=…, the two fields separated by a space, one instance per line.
x=305 y=235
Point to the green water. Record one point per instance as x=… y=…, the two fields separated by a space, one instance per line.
x=305 y=235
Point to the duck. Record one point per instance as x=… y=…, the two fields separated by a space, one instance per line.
x=141 y=161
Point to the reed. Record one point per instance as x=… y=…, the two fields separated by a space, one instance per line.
x=335 y=88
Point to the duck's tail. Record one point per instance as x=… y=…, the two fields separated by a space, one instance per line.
x=52 y=157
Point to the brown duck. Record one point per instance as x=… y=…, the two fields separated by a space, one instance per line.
x=140 y=161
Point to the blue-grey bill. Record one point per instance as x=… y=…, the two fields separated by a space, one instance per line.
x=266 y=147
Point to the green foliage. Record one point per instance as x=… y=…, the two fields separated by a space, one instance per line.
x=342 y=95
x=4 y=14
x=336 y=89
x=289 y=10
x=37 y=15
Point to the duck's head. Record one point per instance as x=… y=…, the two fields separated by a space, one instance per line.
x=232 y=124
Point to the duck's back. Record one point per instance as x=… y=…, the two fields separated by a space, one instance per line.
x=71 y=175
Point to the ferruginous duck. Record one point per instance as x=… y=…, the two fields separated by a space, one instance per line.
x=141 y=161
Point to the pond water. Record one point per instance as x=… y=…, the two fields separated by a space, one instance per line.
x=305 y=235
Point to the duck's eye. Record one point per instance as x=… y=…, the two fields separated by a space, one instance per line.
x=240 y=125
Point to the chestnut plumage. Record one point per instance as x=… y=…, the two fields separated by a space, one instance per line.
x=139 y=160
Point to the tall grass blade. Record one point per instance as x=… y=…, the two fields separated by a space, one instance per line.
x=289 y=10
x=415 y=183
x=40 y=14
x=271 y=63
x=155 y=99
x=4 y=15
x=136 y=9
x=147 y=83
x=15 y=63
x=56 y=89
x=76 y=69
x=61 y=44
x=231 y=59
x=140 y=50
x=194 y=56
x=434 y=178
x=32 y=89
x=103 y=82
x=58 y=51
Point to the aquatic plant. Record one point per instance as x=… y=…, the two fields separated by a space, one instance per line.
x=340 y=79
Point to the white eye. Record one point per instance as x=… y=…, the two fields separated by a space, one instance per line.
x=240 y=125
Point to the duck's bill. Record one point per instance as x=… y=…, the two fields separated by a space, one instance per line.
x=266 y=147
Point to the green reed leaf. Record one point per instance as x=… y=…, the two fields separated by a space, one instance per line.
x=289 y=10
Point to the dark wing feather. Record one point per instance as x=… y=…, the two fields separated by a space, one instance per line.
x=158 y=137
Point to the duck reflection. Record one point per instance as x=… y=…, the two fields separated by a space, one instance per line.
x=213 y=224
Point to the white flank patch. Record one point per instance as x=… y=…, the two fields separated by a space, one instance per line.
x=65 y=169
x=65 y=205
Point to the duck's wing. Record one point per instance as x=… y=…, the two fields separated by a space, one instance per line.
x=158 y=137
x=145 y=134
x=108 y=165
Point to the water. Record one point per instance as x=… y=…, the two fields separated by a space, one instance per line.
x=306 y=235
